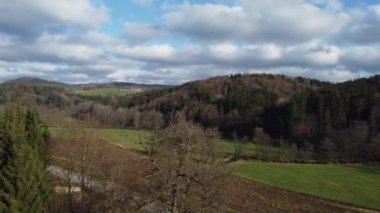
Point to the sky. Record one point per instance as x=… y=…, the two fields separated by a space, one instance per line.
x=174 y=41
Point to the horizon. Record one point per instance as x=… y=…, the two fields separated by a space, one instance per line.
x=174 y=85
x=173 y=42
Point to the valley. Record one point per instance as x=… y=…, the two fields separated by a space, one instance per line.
x=109 y=135
x=180 y=106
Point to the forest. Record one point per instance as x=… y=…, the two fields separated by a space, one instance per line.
x=165 y=148
x=336 y=122
x=339 y=122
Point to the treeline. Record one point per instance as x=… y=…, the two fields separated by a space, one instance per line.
x=23 y=176
x=37 y=95
x=340 y=121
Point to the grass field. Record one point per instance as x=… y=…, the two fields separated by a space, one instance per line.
x=104 y=92
x=248 y=149
x=354 y=184
x=126 y=138
x=228 y=147
x=129 y=139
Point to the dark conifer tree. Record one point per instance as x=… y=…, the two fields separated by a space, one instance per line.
x=23 y=177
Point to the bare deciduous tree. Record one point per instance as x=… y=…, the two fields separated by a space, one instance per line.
x=85 y=164
x=185 y=174
x=263 y=144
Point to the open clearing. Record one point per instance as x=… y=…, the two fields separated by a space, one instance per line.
x=129 y=139
x=104 y=91
x=354 y=184
x=126 y=138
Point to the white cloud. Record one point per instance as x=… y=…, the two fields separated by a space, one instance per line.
x=118 y=75
x=22 y=16
x=315 y=53
x=375 y=9
x=5 y=40
x=267 y=51
x=363 y=27
x=138 y=33
x=255 y=20
x=162 y=52
x=58 y=46
x=362 y=58
x=124 y=75
x=224 y=51
x=61 y=40
x=37 y=69
x=208 y=21
x=97 y=38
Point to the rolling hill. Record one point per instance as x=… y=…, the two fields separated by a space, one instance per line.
x=329 y=118
x=43 y=82
x=34 y=81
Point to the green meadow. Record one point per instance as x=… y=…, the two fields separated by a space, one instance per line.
x=126 y=138
x=354 y=184
x=130 y=139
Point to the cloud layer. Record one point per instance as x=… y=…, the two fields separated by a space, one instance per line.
x=63 y=40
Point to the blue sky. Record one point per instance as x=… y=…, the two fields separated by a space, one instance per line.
x=121 y=11
x=172 y=41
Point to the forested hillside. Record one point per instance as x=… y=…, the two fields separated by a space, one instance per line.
x=235 y=103
x=340 y=120
x=336 y=122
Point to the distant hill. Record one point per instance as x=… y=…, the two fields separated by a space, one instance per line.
x=295 y=109
x=35 y=81
x=123 y=85
x=235 y=103
x=217 y=89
